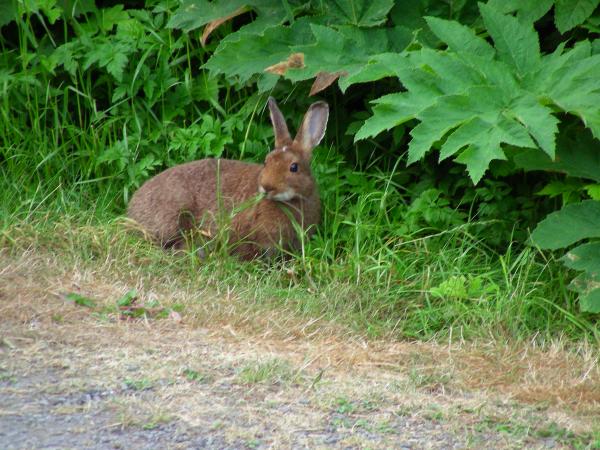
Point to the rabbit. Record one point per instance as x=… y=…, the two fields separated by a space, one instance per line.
x=195 y=193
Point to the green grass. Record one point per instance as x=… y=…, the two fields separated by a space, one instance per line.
x=445 y=287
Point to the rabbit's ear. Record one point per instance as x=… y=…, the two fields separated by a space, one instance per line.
x=313 y=127
x=280 y=129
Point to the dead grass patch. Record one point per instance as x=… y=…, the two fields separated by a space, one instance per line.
x=219 y=331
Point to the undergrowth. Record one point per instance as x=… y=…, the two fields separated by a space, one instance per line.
x=443 y=287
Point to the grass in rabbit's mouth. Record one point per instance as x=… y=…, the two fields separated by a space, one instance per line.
x=443 y=287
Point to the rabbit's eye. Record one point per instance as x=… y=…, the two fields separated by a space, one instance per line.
x=294 y=167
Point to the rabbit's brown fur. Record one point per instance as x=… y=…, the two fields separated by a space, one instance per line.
x=186 y=195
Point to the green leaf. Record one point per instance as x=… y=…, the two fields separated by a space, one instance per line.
x=49 y=7
x=538 y=120
x=577 y=156
x=588 y=287
x=481 y=122
x=376 y=68
x=65 y=57
x=527 y=10
x=585 y=257
x=116 y=65
x=80 y=300
x=205 y=88
x=389 y=111
x=482 y=140
x=128 y=298
x=360 y=13
x=447 y=113
x=571 y=82
x=590 y=301
x=8 y=13
x=477 y=103
x=572 y=223
x=556 y=188
x=460 y=38
x=109 y=17
x=477 y=158
x=346 y=50
x=343 y=51
x=244 y=58
x=517 y=44
x=193 y=14
x=453 y=287
x=570 y=13
x=593 y=190
x=411 y=14
x=74 y=8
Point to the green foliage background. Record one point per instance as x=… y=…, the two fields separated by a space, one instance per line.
x=447 y=117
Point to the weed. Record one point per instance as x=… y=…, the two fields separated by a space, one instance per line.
x=433 y=412
x=194 y=375
x=80 y=300
x=344 y=406
x=272 y=371
x=142 y=384
x=7 y=377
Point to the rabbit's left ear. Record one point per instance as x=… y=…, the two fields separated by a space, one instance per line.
x=313 y=127
x=280 y=129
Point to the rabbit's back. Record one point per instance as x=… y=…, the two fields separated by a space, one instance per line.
x=191 y=189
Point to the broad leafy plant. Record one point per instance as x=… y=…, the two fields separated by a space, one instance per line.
x=477 y=84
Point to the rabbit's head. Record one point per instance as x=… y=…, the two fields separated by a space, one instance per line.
x=286 y=174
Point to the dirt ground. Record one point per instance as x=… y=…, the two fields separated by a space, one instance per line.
x=81 y=376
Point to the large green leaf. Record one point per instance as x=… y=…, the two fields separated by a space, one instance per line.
x=517 y=44
x=567 y=13
x=527 y=10
x=8 y=13
x=360 y=13
x=389 y=112
x=570 y=13
x=588 y=287
x=569 y=225
x=412 y=14
x=246 y=57
x=193 y=14
x=574 y=88
x=577 y=155
x=473 y=99
x=460 y=38
x=345 y=50
x=375 y=68
x=537 y=120
x=584 y=257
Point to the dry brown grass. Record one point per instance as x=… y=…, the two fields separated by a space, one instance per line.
x=47 y=329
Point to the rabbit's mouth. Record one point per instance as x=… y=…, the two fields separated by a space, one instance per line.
x=284 y=196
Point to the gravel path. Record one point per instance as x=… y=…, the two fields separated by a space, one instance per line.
x=60 y=391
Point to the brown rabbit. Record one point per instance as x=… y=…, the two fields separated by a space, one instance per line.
x=196 y=193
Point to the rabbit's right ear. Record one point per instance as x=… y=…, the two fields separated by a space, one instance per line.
x=280 y=129
x=313 y=127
